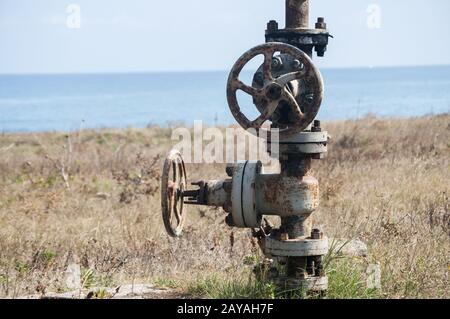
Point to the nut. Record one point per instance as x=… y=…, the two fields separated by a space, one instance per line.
x=320 y=24
x=272 y=26
x=277 y=63
x=316 y=234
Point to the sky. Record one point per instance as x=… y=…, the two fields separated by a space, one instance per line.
x=92 y=36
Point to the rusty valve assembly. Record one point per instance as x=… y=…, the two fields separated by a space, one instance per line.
x=287 y=90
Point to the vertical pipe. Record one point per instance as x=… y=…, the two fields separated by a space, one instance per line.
x=297 y=14
x=297 y=226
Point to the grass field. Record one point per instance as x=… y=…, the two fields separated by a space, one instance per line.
x=92 y=198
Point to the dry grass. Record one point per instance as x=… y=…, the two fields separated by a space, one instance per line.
x=92 y=198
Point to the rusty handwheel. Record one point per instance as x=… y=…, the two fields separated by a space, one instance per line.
x=276 y=89
x=173 y=184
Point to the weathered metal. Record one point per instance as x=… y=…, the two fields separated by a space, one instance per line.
x=306 y=138
x=297 y=31
x=297 y=14
x=217 y=193
x=285 y=196
x=254 y=194
x=305 y=247
x=173 y=183
x=314 y=143
x=287 y=90
x=320 y=24
x=243 y=196
x=275 y=90
x=296 y=226
x=284 y=115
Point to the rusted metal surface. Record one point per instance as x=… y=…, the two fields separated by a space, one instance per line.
x=173 y=183
x=316 y=234
x=275 y=89
x=320 y=24
x=297 y=226
x=306 y=137
x=296 y=247
x=287 y=90
x=216 y=193
x=305 y=40
x=310 y=148
x=297 y=31
x=296 y=165
x=297 y=14
x=284 y=115
x=287 y=196
x=243 y=197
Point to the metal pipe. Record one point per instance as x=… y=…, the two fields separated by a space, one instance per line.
x=297 y=226
x=284 y=196
x=297 y=14
x=216 y=193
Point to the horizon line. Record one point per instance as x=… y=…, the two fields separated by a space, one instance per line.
x=212 y=71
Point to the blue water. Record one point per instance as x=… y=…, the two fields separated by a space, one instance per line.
x=71 y=102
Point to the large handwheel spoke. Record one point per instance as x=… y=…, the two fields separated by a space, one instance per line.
x=170 y=205
x=267 y=67
x=286 y=78
x=179 y=195
x=259 y=121
x=174 y=198
x=172 y=186
x=246 y=88
x=174 y=172
x=270 y=109
x=293 y=104
x=177 y=214
x=171 y=195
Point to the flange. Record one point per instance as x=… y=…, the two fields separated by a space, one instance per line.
x=243 y=195
x=296 y=247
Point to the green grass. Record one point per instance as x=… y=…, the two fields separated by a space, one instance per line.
x=44 y=225
x=217 y=288
x=166 y=283
x=347 y=280
x=91 y=278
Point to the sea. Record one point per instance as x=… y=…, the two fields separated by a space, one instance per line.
x=68 y=102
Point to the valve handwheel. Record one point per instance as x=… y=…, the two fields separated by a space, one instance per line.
x=173 y=184
x=276 y=89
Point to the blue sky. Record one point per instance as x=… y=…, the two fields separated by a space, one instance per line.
x=181 y=35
